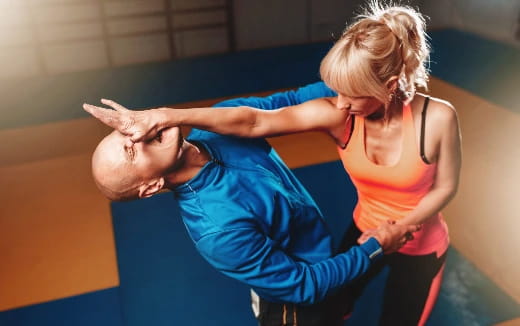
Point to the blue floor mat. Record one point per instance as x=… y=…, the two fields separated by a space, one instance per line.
x=467 y=298
x=100 y=308
x=164 y=281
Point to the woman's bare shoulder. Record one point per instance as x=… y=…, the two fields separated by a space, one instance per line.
x=438 y=109
x=325 y=102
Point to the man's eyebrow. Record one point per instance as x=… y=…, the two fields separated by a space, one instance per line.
x=129 y=153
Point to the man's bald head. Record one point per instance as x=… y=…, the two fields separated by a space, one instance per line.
x=113 y=173
x=123 y=170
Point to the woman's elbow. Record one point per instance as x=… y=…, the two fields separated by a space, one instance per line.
x=450 y=192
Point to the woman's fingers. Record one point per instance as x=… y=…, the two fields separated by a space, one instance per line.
x=138 y=137
x=108 y=117
x=114 y=105
x=115 y=119
x=135 y=124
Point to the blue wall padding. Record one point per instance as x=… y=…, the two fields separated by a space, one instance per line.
x=486 y=68
x=46 y=99
x=100 y=308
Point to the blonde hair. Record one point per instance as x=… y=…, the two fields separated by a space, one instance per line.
x=383 y=42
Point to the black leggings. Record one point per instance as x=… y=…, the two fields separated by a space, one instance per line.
x=326 y=313
x=407 y=289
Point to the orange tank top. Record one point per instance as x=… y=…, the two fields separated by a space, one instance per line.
x=391 y=192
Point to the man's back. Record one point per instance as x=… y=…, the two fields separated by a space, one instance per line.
x=252 y=220
x=245 y=202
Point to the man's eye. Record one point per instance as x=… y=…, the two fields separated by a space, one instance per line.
x=159 y=136
x=131 y=152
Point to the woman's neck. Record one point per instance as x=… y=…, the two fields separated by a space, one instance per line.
x=393 y=111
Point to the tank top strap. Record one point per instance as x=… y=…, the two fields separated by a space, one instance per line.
x=359 y=126
x=355 y=133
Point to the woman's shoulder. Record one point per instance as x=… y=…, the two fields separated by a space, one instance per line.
x=437 y=109
x=325 y=102
x=325 y=106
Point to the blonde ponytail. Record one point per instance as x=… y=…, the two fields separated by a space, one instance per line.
x=384 y=42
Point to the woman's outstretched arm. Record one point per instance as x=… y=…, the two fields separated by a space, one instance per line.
x=243 y=121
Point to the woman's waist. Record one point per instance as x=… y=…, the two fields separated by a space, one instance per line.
x=432 y=237
x=375 y=211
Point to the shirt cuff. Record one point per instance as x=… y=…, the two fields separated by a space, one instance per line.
x=372 y=248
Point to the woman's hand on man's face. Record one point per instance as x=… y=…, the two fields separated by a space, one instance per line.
x=137 y=125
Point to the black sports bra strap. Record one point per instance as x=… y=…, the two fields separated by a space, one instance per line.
x=352 y=121
x=423 y=127
x=353 y=118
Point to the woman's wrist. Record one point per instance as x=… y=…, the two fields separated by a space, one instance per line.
x=166 y=118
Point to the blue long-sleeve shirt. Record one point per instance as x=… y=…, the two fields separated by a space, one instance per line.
x=282 y=99
x=252 y=220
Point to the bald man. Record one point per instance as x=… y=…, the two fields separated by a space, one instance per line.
x=245 y=211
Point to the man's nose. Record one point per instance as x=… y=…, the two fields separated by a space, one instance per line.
x=128 y=142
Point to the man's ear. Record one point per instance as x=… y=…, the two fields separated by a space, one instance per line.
x=150 y=188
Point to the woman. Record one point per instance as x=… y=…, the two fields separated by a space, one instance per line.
x=400 y=148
